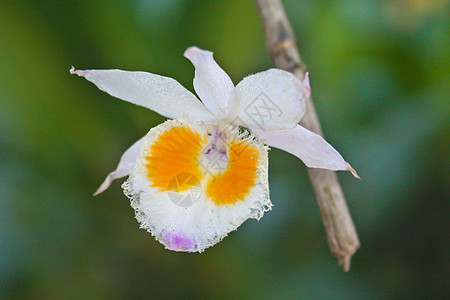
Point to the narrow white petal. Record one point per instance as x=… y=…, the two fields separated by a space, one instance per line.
x=124 y=167
x=211 y=83
x=161 y=94
x=311 y=148
x=270 y=100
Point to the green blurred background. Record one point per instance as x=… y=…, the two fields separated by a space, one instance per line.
x=380 y=79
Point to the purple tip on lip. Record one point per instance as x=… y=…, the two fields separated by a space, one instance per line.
x=177 y=242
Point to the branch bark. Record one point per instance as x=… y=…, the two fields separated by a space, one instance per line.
x=281 y=44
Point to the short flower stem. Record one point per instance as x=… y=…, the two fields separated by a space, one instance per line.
x=280 y=41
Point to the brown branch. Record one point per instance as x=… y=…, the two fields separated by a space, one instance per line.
x=280 y=41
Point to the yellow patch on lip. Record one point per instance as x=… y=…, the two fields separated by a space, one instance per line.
x=174 y=152
x=241 y=174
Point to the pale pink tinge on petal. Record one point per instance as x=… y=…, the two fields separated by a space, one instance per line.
x=124 y=167
x=80 y=73
x=307 y=85
x=310 y=147
x=179 y=242
x=211 y=82
x=353 y=171
x=105 y=185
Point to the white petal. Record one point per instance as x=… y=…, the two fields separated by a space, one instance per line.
x=161 y=94
x=311 y=148
x=124 y=167
x=190 y=219
x=270 y=100
x=211 y=83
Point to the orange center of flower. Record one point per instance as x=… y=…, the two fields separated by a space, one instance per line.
x=235 y=183
x=172 y=156
x=173 y=165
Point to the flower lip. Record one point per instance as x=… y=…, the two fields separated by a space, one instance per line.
x=199 y=214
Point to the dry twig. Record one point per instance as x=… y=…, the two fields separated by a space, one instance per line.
x=280 y=40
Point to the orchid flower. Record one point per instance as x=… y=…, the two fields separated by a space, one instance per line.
x=199 y=176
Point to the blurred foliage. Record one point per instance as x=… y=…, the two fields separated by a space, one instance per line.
x=380 y=78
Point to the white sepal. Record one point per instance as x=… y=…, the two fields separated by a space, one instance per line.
x=211 y=83
x=311 y=148
x=124 y=167
x=161 y=94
